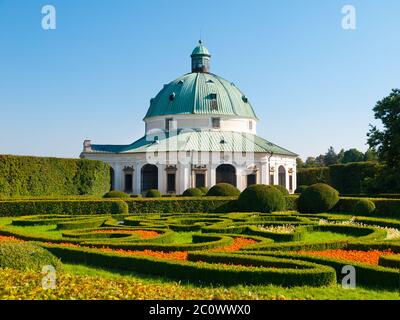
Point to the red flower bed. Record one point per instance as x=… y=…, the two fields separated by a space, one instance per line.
x=368 y=257
x=237 y=244
x=174 y=255
x=6 y=238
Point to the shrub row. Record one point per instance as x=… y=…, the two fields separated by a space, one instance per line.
x=295 y=246
x=366 y=275
x=116 y=206
x=269 y=270
x=346 y=178
x=41 y=176
x=70 y=207
x=182 y=205
x=81 y=223
x=389 y=261
x=160 y=243
x=384 y=207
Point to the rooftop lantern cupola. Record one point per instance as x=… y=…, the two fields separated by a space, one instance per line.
x=200 y=59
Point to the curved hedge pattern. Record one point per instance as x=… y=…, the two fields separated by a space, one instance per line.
x=218 y=248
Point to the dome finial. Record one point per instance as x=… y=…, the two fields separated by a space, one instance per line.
x=200 y=58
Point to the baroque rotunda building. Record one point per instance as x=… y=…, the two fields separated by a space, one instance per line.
x=200 y=130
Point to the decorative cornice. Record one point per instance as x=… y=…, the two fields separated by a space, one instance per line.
x=171 y=168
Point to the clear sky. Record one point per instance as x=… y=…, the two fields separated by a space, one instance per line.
x=311 y=83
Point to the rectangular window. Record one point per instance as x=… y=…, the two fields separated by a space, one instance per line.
x=128 y=183
x=214 y=104
x=291 y=183
x=171 y=182
x=168 y=124
x=271 y=179
x=200 y=180
x=216 y=123
x=250 y=125
x=251 y=179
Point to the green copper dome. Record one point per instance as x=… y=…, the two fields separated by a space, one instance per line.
x=201 y=93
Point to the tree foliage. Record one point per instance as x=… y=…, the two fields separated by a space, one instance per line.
x=387 y=140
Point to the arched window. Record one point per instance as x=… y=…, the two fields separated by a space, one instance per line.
x=226 y=173
x=112 y=175
x=149 y=175
x=282 y=176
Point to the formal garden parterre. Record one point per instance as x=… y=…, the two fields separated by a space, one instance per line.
x=279 y=248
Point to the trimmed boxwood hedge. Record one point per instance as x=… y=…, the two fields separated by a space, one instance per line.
x=26 y=256
x=220 y=270
x=183 y=205
x=204 y=190
x=383 y=207
x=389 y=261
x=21 y=207
x=300 y=189
x=282 y=189
x=346 y=178
x=317 y=198
x=364 y=206
x=153 y=193
x=116 y=194
x=261 y=198
x=366 y=275
x=192 y=192
x=13 y=208
x=41 y=176
x=223 y=190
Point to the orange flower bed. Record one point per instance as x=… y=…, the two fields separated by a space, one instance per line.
x=174 y=255
x=236 y=245
x=143 y=234
x=6 y=238
x=368 y=257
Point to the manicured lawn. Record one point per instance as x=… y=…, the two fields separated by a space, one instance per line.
x=324 y=236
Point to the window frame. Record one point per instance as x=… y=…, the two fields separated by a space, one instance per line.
x=168 y=123
x=218 y=119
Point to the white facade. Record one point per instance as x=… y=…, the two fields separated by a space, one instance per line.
x=265 y=167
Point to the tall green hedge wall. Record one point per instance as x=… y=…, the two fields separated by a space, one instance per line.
x=309 y=176
x=347 y=178
x=40 y=176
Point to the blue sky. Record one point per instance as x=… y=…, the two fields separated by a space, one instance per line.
x=311 y=83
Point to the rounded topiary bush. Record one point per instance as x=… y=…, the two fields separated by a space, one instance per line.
x=317 y=198
x=119 y=207
x=364 y=206
x=116 y=194
x=223 y=190
x=192 y=192
x=203 y=190
x=26 y=256
x=153 y=193
x=282 y=189
x=300 y=189
x=261 y=198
